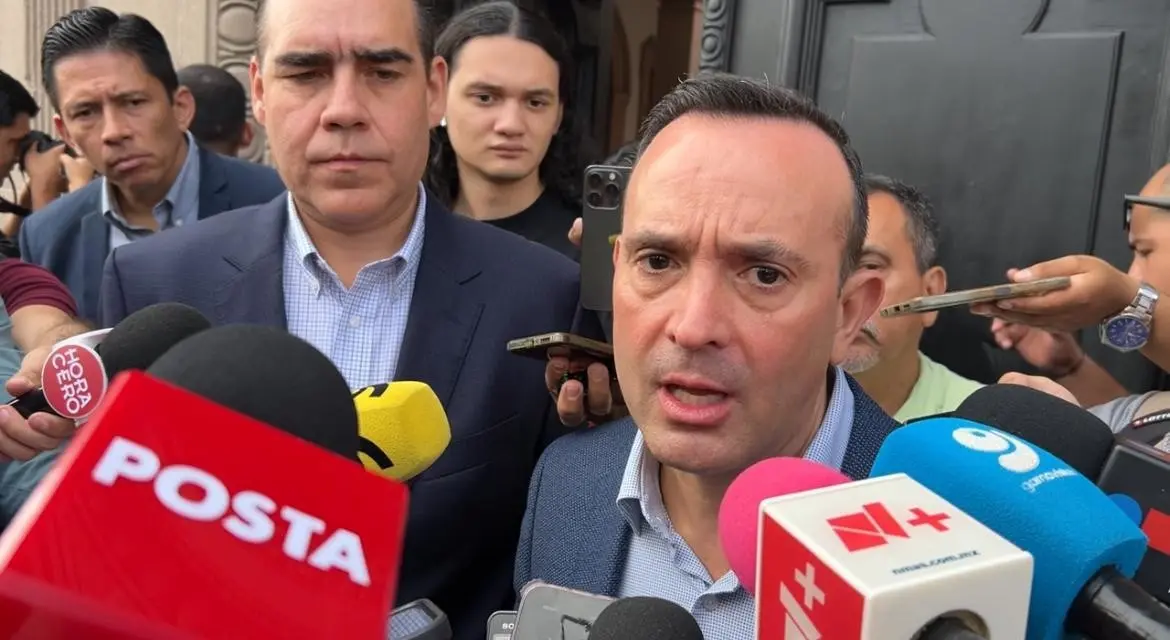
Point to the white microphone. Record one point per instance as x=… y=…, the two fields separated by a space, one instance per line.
x=885 y=559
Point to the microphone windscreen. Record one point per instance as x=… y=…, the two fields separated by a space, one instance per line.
x=1063 y=429
x=645 y=618
x=739 y=512
x=143 y=336
x=403 y=428
x=1028 y=496
x=269 y=375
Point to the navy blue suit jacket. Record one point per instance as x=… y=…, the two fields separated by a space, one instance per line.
x=71 y=238
x=477 y=287
x=575 y=536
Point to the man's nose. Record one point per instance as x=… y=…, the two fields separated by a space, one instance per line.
x=701 y=315
x=345 y=109
x=510 y=119
x=115 y=127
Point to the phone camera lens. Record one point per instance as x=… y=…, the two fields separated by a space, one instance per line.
x=594 y=180
x=594 y=199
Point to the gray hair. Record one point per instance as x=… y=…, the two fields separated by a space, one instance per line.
x=921 y=225
x=726 y=95
x=426 y=31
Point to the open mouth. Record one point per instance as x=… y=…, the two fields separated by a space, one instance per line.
x=696 y=397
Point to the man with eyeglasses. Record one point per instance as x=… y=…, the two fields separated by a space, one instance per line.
x=1123 y=306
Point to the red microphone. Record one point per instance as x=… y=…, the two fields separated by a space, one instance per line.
x=173 y=516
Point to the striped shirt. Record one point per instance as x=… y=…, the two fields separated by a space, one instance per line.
x=359 y=328
x=659 y=562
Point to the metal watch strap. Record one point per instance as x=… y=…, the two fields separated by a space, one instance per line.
x=1145 y=300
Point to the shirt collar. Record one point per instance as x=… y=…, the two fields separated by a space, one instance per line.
x=301 y=244
x=187 y=180
x=640 y=498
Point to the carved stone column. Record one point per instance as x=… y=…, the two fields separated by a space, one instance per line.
x=718 y=17
x=234 y=32
x=41 y=14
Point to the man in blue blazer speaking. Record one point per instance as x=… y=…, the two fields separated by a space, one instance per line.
x=736 y=286
x=362 y=262
x=118 y=102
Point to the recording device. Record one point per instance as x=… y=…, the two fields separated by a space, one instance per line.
x=645 y=618
x=501 y=625
x=549 y=612
x=601 y=220
x=40 y=141
x=926 y=304
x=1127 y=467
x=174 y=515
x=419 y=620
x=566 y=345
x=138 y=340
x=1083 y=546
x=884 y=558
x=402 y=428
x=739 y=511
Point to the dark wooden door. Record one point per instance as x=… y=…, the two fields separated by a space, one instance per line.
x=1025 y=120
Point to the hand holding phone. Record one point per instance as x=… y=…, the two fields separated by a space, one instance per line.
x=926 y=304
x=578 y=373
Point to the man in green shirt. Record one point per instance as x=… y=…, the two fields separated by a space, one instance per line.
x=902 y=245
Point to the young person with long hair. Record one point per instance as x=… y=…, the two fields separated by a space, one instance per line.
x=505 y=151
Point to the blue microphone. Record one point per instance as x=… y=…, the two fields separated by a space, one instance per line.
x=1083 y=545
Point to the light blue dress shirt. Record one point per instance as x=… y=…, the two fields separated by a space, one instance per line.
x=180 y=206
x=659 y=562
x=359 y=328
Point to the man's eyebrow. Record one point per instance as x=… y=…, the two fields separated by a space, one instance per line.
x=325 y=58
x=882 y=254
x=770 y=251
x=391 y=55
x=655 y=240
x=487 y=87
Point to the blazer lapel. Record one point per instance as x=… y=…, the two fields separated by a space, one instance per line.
x=871 y=425
x=612 y=540
x=443 y=318
x=253 y=292
x=95 y=246
x=213 y=193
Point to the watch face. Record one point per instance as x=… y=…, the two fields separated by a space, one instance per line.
x=1126 y=332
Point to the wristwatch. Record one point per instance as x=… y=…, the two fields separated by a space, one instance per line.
x=1130 y=329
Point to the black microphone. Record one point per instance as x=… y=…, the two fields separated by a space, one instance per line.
x=270 y=375
x=1136 y=471
x=949 y=628
x=644 y=618
x=135 y=343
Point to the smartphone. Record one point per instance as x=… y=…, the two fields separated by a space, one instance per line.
x=926 y=304
x=560 y=344
x=501 y=625
x=601 y=219
x=419 y=620
x=549 y=612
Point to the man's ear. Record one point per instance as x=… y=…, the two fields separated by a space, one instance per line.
x=437 y=90
x=934 y=282
x=184 y=102
x=860 y=298
x=63 y=132
x=256 y=79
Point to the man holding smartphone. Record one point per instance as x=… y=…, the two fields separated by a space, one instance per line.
x=1040 y=328
x=735 y=289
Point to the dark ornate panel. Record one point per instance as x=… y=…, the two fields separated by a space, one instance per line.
x=1025 y=120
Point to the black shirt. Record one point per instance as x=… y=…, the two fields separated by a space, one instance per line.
x=547 y=221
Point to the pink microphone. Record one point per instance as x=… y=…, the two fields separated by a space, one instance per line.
x=739 y=513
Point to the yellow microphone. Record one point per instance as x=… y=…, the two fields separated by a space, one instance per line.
x=403 y=428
